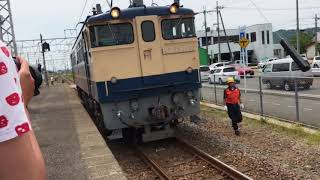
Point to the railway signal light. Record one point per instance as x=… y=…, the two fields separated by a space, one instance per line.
x=45 y=47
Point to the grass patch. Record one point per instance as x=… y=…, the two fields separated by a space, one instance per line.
x=295 y=131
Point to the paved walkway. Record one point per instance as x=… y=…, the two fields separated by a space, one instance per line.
x=71 y=144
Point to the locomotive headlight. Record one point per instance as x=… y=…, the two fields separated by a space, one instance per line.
x=192 y=102
x=115 y=12
x=114 y=80
x=174 y=8
x=189 y=70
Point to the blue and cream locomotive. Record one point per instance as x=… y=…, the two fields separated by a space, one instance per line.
x=137 y=69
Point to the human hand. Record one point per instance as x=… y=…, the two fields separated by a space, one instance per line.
x=242 y=106
x=225 y=108
x=26 y=81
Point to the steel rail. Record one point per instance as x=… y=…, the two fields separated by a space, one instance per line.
x=154 y=165
x=228 y=170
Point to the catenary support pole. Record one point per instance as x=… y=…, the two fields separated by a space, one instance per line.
x=44 y=62
x=298 y=27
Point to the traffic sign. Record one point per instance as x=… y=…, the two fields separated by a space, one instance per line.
x=244 y=42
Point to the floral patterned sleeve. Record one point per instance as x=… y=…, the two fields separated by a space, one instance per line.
x=13 y=118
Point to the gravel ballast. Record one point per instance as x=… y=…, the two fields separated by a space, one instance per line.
x=262 y=151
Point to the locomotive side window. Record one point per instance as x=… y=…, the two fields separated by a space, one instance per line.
x=111 y=35
x=178 y=28
x=148 y=32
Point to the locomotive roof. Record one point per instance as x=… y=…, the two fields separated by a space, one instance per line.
x=132 y=12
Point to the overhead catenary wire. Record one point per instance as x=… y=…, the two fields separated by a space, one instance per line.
x=271 y=9
x=262 y=14
x=83 y=9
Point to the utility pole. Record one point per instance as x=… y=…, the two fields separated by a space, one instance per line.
x=298 y=28
x=44 y=61
x=205 y=29
x=7 y=29
x=316 y=33
x=225 y=33
x=218 y=29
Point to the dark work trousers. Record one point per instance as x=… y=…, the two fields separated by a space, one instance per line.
x=235 y=115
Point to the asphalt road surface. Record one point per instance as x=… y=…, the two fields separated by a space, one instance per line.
x=253 y=83
x=274 y=104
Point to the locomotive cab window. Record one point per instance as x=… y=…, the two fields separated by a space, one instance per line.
x=111 y=35
x=178 y=28
x=148 y=32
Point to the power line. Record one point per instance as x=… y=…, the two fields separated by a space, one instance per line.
x=272 y=9
x=83 y=9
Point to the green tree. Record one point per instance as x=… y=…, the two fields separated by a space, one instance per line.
x=305 y=40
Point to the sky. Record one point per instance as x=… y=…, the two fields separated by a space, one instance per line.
x=52 y=17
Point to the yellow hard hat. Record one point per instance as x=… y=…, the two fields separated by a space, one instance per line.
x=230 y=80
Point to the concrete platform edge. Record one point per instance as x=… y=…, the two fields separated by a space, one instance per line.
x=98 y=158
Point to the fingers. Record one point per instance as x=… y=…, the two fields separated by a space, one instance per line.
x=24 y=64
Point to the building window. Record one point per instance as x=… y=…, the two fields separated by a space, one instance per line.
x=263 y=39
x=253 y=37
x=205 y=42
x=268 y=37
x=148 y=32
x=225 y=39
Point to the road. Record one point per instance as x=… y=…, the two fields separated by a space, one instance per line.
x=253 y=83
x=275 y=104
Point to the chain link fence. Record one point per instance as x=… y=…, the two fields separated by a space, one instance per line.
x=287 y=98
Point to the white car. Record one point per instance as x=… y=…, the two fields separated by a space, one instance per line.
x=217 y=65
x=221 y=75
x=315 y=67
x=316 y=62
x=204 y=72
x=262 y=63
x=316 y=72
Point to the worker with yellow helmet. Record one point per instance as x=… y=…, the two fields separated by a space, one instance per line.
x=232 y=102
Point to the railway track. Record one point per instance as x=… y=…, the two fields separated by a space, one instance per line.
x=184 y=161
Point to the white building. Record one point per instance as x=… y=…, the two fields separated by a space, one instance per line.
x=311 y=48
x=261 y=43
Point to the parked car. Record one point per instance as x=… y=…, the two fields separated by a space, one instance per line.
x=221 y=74
x=316 y=62
x=204 y=72
x=316 y=72
x=217 y=65
x=283 y=72
x=262 y=63
x=244 y=71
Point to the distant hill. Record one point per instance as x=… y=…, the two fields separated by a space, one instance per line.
x=288 y=34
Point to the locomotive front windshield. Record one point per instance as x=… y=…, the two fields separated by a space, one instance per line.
x=178 y=28
x=111 y=35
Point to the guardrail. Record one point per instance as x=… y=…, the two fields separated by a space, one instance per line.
x=291 y=98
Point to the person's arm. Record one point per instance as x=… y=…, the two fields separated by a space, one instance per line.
x=224 y=97
x=240 y=101
x=20 y=154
